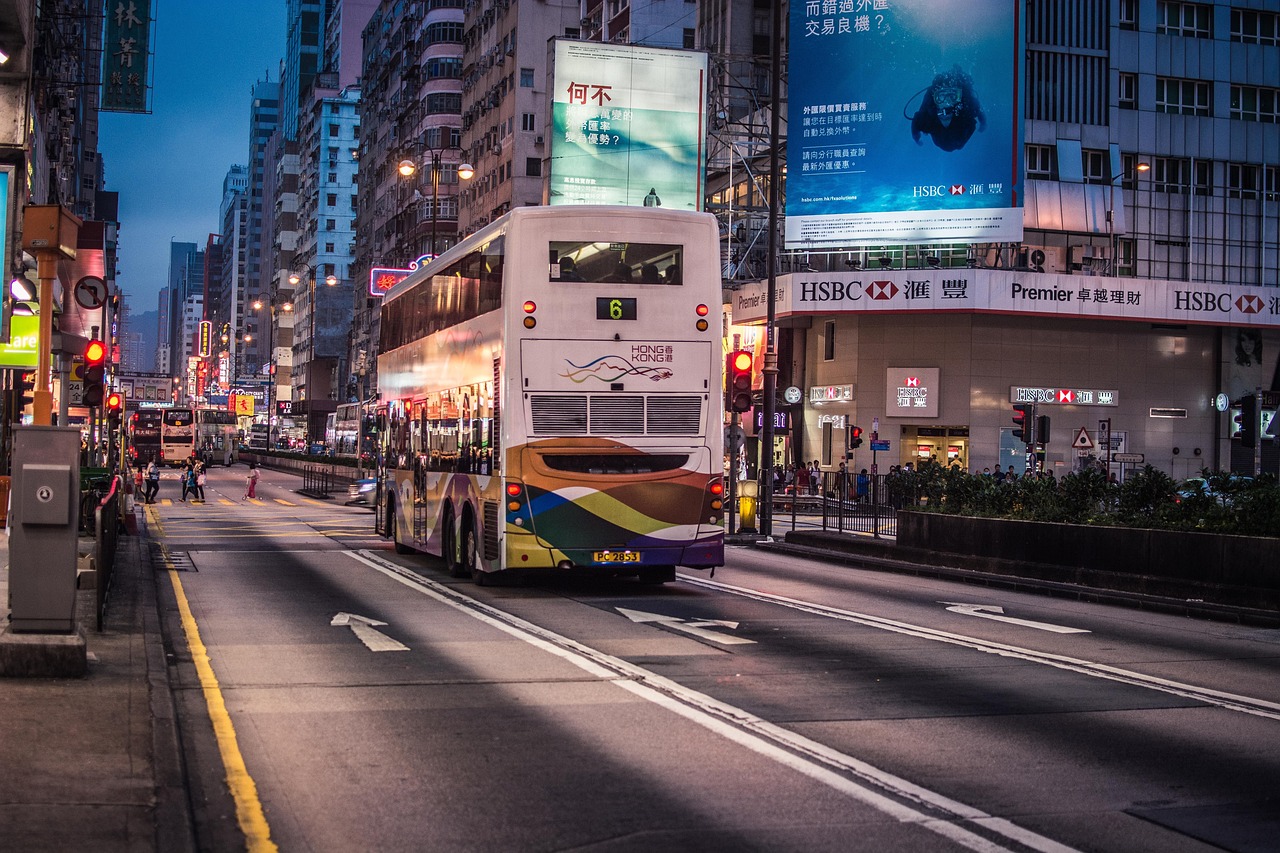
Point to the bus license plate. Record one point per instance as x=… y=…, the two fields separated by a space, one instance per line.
x=616 y=556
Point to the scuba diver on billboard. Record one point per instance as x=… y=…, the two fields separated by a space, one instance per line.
x=949 y=112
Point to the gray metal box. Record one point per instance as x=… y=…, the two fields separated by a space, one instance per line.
x=44 y=529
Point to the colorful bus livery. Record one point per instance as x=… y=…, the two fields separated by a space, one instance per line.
x=551 y=393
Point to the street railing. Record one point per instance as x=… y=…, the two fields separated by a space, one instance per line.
x=845 y=503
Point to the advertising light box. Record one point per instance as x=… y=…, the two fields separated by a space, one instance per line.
x=628 y=125
x=905 y=123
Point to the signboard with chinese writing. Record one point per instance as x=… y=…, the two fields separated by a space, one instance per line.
x=204 y=339
x=912 y=392
x=831 y=394
x=1064 y=396
x=126 y=57
x=627 y=125
x=990 y=291
x=905 y=122
x=382 y=279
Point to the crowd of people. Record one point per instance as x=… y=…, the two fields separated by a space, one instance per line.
x=191 y=478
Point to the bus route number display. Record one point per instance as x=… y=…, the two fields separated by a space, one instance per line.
x=615 y=308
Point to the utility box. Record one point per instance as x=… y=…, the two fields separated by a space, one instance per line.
x=44 y=521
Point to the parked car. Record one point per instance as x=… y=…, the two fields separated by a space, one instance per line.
x=362 y=492
x=1222 y=492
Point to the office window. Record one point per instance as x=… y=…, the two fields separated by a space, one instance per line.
x=1182 y=97
x=334 y=130
x=527 y=121
x=1127 y=91
x=526 y=78
x=330 y=224
x=331 y=199
x=1040 y=161
x=1255 y=103
x=1242 y=180
x=688 y=38
x=829 y=340
x=1170 y=175
x=1192 y=20
x=1096 y=165
x=1253 y=27
x=533 y=167
x=328 y=247
x=1128 y=14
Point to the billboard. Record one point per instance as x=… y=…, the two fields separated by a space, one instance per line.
x=627 y=126
x=905 y=122
x=126 y=57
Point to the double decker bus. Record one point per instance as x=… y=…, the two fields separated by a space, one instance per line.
x=142 y=437
x=551 y=397
x=208 y=434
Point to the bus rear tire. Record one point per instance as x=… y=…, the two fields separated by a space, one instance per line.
x=457 y=568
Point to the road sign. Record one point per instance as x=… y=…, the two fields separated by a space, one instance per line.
x=91 y=293
x=1082 y=440
x=1130 y=458
x=881 y=444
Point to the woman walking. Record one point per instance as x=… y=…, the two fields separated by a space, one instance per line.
x=198 y=488
x=251 y=482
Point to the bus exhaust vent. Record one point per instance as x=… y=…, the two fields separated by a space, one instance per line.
x=615 y=414
x=491 y=530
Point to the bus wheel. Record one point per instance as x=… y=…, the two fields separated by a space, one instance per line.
x=393 y=530
x=657 y=575
x=457 y=568
x=470 y=557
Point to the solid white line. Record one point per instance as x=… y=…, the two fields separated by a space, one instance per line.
x=883 y=791
x=1229 y=701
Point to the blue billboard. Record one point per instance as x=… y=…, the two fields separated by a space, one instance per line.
x=904 y=122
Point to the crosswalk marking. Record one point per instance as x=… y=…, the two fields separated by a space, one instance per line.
x=284 y=502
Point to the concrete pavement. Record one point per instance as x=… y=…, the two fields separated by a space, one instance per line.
x=94 y=763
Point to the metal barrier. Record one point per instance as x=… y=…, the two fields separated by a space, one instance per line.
x=317 y=482
x=848 y=503
x=106 y=535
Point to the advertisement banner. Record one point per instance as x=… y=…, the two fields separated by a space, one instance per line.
x=126 y=57
x=628 y=125
x=1009 y=292
x=905 y=123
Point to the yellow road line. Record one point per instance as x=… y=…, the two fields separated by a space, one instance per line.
x=283 y=501
x=249 y=812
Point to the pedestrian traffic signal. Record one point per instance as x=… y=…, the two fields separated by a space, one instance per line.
x=1022 y=422
x=94 y=373
x=855 y=437
x=737 y=381
x=1042 y=429
x=1248 y=420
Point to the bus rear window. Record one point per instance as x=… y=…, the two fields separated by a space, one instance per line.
x=613 y=263
x=177 y=418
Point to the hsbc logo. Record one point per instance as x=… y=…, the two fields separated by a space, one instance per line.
x=957 y=189
x=913 y=381
x=1249 y=304
x=882 y=290
x=1065 y=396
x=929 y=191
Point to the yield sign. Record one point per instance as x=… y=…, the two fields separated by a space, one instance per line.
x=1082 y=442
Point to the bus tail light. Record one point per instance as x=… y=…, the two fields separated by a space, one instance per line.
x=702 y=311
x=529 y=307
x=715 y=502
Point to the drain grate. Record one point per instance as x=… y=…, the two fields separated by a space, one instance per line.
x=178 y=561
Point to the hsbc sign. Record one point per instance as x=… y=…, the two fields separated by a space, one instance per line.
x=1064 y=396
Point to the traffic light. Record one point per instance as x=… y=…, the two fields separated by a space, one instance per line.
x=737 y=381
x=1248 y=420
x=1022 y=422
x=855 y=437
x=114 y=405
x=95 y=373
x=1042 y=429
x=26 y=389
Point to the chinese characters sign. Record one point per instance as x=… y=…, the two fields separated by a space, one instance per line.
x=126 y=56
x=382 y=279
x=905 y=122
x=627 y=125
x=911 y=392
x=1064 y=396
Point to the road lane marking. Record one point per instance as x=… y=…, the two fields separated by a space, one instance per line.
x=696 y=628
x=366 y=631
x=996 y=613
x=283 y=502
x=903 y=800
x=249 y=812
x=1228 y=701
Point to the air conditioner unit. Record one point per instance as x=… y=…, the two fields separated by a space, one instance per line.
x=537 y=140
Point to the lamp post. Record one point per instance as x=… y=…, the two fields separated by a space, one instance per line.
x=408 y=167
x=1111 y=207
x=330 y=281
x=272 y=369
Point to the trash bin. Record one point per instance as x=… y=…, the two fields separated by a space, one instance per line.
x=748 y=501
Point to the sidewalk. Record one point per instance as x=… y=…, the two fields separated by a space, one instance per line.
x=94 y=763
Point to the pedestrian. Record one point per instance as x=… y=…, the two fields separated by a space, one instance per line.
x=185 y=480
x=815 y=477
x=153 y=482
x=251 y=482
x=1012 y=475
x=864 y=485
x=199 y=489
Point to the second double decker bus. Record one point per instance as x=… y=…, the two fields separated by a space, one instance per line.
x=551 y=396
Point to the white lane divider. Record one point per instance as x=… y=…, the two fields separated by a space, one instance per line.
x=1229 y=701
x=899 y=798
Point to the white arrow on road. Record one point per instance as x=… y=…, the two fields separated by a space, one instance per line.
x=697 y=628
x=363 y=627
x=995 y=611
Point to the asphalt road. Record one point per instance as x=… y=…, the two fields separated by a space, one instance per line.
x=364 y=700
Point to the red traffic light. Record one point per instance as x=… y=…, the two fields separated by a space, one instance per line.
x=737 y=385
x=95 y=352
x=115 y=401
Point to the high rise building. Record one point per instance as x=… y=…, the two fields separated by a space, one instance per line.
x=264 y=119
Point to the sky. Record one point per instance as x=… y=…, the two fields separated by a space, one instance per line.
x=169 y=166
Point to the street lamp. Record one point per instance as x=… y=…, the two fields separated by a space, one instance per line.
x=330 y=281
x=407 y=168
x=1111 y=207
x=272 y=369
